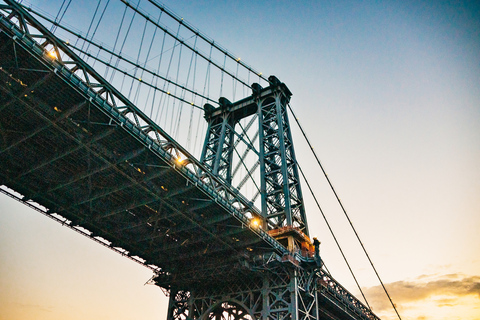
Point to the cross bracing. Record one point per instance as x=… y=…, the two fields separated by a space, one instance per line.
x=80 y=152
x=169 y=75
x=105 y=160
x=161 y=63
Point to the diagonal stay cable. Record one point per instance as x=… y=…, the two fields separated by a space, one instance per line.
x=343 y=209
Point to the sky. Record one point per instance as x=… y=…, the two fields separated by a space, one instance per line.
x=389 y=95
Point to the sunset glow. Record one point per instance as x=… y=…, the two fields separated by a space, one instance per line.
x=389 y=95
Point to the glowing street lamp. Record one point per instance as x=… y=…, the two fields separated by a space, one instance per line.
x=52 y=54
x=255 y=222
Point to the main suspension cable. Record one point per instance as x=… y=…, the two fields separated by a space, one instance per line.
x=182 y=41
x=332 y=233
x=215 y=45
x=343 y=208
x=116 y=55
x=132 y=77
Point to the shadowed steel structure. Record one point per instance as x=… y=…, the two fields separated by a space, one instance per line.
x=78 y=151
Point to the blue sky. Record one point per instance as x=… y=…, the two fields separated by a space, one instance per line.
x=389 y=95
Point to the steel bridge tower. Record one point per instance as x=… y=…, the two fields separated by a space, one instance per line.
x=282 y=287
x=100 y=166
x=281 y=194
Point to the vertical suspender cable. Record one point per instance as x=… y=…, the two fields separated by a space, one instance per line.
x=98 y=23
x=116 y=40
x=177 y=129
x=222 y=74
x=54 y=27
x=193 y=100
x=164 y=100
x=206 y=86
x=90 y=26
x=138 y=59
x=234 y=83
x=145 y=63
x=123 y=43
x=156 y=80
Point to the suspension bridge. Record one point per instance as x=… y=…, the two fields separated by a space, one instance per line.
x=92 y=136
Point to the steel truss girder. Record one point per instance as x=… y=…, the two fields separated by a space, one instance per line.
x=288 y=293
x=105 y=97
x=62 y=154
x=121 y=187
x=280 y=292
x=186 y=228
x=38 y=130
x=83 y=232
x=215 y=250
x=159 y=217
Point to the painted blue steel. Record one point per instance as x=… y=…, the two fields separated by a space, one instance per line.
x=105 y=98
x=280 y=190
x=282 y=201
x=168 y=149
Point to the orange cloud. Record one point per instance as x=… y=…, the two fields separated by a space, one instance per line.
x=448 y=286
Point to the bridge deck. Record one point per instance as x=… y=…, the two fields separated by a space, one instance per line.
x=61 y=151
x=66 y=148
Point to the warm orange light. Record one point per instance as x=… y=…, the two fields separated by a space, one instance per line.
x=255 y=223
x=52 y=54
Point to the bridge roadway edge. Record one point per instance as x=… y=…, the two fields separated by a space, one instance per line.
x=170 y=162
x=168 y=159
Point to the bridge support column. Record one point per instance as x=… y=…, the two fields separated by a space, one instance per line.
x=282 y=200
x=218 y=148
x=281 y=195
x=287 y=292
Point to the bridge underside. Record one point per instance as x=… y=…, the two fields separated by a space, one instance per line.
x=92 y=169
x=58 y=150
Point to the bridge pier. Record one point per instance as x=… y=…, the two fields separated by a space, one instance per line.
x=275 y=290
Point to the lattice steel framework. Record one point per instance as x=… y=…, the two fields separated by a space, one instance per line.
x=212 y=261
x=281 y=194
x=276 y=291
x=217 y=152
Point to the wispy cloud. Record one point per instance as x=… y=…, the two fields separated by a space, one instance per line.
x=447 y=288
